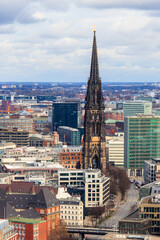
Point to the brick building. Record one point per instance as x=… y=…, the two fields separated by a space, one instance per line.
x=29 y=229
x=71 y=158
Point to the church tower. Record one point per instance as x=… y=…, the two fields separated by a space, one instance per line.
x=94 y=150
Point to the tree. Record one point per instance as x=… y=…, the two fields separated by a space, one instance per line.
x=60 y=233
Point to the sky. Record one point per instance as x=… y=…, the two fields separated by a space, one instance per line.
x=51 y=40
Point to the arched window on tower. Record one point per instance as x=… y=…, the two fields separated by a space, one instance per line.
x=95 y=162
x=97 y=128
x=93 y=128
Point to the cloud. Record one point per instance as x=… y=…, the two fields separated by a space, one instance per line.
x=10 y=9
x=132 y=4
x=31 y=14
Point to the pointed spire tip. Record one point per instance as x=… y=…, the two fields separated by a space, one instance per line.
x=94 y=28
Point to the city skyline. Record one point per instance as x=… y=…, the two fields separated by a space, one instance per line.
x=49 y=41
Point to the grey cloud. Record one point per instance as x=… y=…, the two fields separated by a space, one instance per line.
x=32 y=13
x=10 y=9
x=133 y=4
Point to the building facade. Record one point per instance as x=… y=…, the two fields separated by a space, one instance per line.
x=150 y=208
x=94 y=149
x=29 y=229
x=7 y=231
x=71 y=136
x=66 y=114
x=71 y=211
x=133 y=108
x=19 y=137
x=115 y=150
x=152 y=170
x=71 y=158
x=141 y=142
x=97 y=188
x=23 y=123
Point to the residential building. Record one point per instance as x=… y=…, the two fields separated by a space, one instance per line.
x=149 y=207
x=7 y=231
x=97 y=188
x=141 y=142
x=19 y=137
x=71 y=211
x=118 y=236
x=152 y=170
x=115 y=150
x=71 y=136
x=71 y=157
x=66 y=114
x=29 y=229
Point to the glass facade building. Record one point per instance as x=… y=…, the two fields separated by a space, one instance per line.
x=141 y=142
x=132 y=108
x=66 y=114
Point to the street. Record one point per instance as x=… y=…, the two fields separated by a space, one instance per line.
x=123 y=210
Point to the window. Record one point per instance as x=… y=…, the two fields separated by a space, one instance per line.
x=42 y=211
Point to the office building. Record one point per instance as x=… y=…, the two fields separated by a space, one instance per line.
x=66 y=114
x=23 y=123
x=96 y=185
x=19 y=137
x=149 y=207
x=141 y=142
x=152 y=170
x=97 y=188
x=7 y=231
x=71 y=136
x=133 y=108
x=115 y=150
x=73 y=178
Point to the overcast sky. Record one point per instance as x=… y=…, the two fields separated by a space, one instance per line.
x=51 y=40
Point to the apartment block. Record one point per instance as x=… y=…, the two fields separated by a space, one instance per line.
x=71 y=211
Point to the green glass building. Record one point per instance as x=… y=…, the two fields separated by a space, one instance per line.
x=141 y=142
x=133 y=108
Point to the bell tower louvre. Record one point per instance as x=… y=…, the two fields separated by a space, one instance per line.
x=94 y=149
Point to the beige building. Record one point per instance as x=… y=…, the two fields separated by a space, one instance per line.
x=115 y=150
x=150 y=208
x=97 y=188
x=117 y=236
x=20 y=122
x=71 y=211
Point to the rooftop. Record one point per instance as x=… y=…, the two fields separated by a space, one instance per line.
x=26 y=220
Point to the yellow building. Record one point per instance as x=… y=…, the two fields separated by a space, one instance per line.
x=150 y=208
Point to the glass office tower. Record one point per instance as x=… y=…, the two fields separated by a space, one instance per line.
x=66 y=114
x=141 y=142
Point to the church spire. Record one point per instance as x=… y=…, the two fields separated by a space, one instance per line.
x=94 y=96
x=94 y=151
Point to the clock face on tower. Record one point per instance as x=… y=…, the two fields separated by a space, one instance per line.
x=94 y=151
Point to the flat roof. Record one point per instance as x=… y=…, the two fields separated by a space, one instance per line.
x=26 y=220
